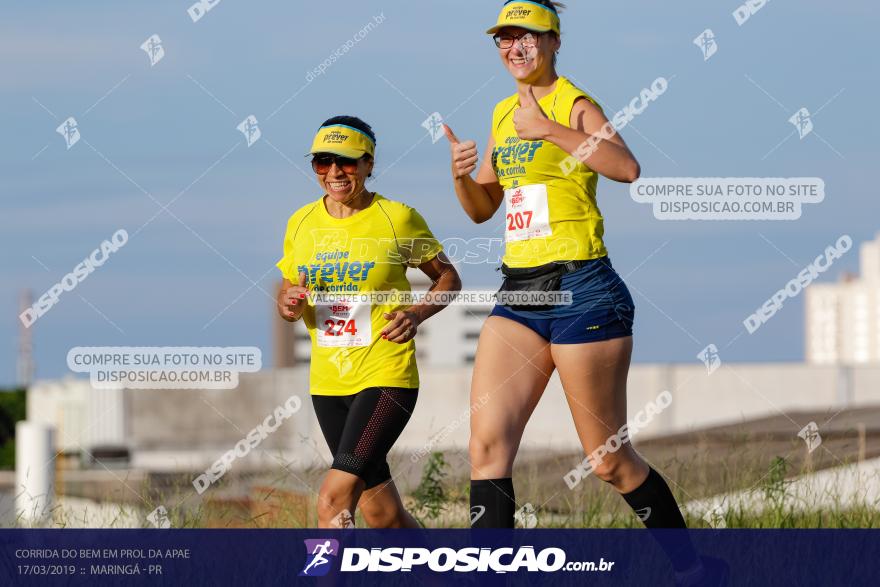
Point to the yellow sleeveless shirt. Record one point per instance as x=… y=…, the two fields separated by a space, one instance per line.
x=549 y=216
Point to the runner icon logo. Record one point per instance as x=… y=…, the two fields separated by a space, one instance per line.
x=707 y=44
x=710 y=358
x=803 y=122
x=154 y=49
x=319 y=553
x=250 y=128
x=434 y=125
x=526 y=516
x=69 y=129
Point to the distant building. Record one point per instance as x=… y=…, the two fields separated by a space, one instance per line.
x=843 y=319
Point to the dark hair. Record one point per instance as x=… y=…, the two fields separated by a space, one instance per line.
x=354 y=122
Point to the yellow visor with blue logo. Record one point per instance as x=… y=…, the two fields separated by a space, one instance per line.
x=343 y=140
x=527 y=15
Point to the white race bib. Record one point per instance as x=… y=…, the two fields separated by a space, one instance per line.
x=343 y=323
x=528 y=213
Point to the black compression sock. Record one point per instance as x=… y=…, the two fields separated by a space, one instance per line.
x=654 y=504
x=656 y=507
x=492 y=503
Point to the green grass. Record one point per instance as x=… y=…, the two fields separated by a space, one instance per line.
x=440 y=499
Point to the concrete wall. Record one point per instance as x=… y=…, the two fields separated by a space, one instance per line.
x=171 y=429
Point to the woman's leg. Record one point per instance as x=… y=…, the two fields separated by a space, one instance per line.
x=337 y=499
x=594 y=376
x=511 y=371
x=374 y=419
x=382 y=507
x=340 y=490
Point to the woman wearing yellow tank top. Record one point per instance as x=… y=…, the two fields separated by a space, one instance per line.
x=553 y=242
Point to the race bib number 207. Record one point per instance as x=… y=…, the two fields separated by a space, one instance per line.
x=528 y=213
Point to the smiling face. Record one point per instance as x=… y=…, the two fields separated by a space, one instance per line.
x=527 y=63
x=343 y=186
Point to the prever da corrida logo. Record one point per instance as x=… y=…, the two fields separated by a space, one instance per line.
x=335 y=137
x=519 y=13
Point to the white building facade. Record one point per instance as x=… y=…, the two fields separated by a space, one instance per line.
x=843 y=319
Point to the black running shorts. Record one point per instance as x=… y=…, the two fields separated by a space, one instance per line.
x=360 y=429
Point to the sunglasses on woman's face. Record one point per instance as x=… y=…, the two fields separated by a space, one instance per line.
x=507 y=40
x=322 y=162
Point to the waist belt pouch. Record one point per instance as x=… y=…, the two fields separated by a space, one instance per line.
x=531 y=279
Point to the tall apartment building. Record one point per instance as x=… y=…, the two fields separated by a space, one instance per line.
x=843 y=319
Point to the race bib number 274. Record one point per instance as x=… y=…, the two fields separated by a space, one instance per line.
x=343 y=323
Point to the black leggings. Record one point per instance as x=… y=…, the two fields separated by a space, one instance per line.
x=360 y=429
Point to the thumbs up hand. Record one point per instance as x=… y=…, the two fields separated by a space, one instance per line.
x=529 y=119
x=464 y=154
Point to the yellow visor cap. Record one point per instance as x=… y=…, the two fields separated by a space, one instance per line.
x=527 y=15
x=343 y=140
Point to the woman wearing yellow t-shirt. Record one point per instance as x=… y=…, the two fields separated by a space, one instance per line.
x=553 y=242
x=344 y=267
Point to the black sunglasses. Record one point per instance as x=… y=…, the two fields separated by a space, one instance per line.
x=322 y=162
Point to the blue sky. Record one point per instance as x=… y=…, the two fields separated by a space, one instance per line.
x=169 y=132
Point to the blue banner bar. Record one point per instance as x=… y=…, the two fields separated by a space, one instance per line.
x=432 y=557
